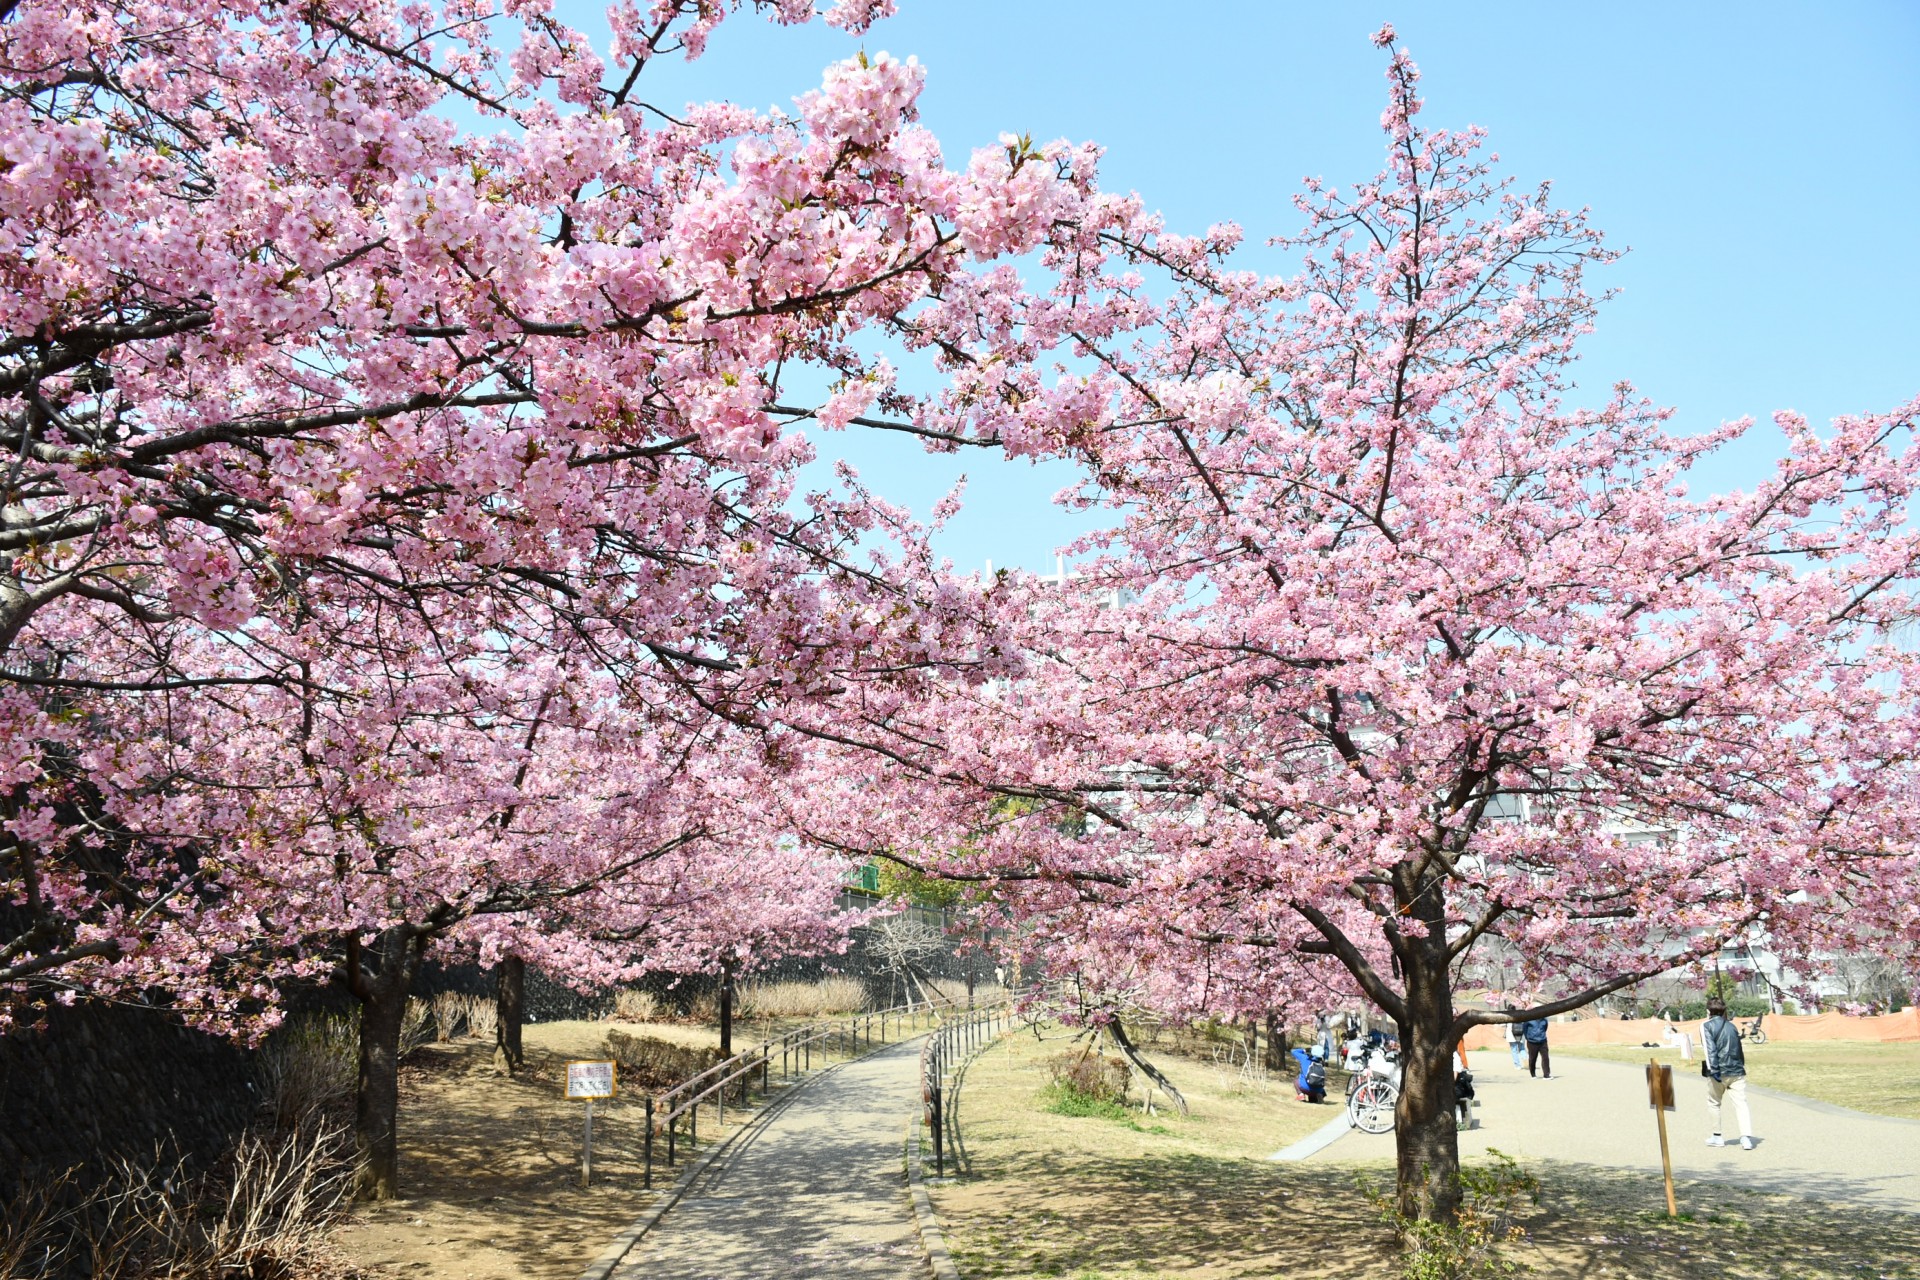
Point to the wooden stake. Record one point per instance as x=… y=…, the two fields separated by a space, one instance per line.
x=1660 y=1088
x=586 y=1152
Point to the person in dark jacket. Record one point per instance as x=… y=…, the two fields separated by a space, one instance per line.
x=1726 y=1068
x=1535 y=1034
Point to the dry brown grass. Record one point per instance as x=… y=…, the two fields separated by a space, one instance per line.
x=825 y=998
x=1138 y=1197
x=263 y=1211
x=455 y=1014
x=635 y=1006
x=308 y=1068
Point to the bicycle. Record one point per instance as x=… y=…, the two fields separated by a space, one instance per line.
x=1370 y=1107
x=1373 y=1090
x=1756 y=1034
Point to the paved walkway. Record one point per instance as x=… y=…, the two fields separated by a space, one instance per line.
x=817 y=1191
x=1596 y=1112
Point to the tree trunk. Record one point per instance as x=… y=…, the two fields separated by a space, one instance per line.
x=726 y=1011
x=382 y=993
x=510 y=1004
x=1276 y=1044
x=1145 y=1068
x=1425 y=1137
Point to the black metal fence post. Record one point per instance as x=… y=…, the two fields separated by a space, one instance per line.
x=647 y=1143
x=939 y=1155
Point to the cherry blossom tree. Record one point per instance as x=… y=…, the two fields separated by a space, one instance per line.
x=293 y=362
x=1398 y=648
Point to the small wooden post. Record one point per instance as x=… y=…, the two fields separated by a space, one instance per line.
x=1660 y=1098
x=586 y=1150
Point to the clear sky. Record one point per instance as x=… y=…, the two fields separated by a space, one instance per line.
x=1761 y=161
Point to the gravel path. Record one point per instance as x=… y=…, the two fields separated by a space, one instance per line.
x=1595 y=1112
x=817 y=1191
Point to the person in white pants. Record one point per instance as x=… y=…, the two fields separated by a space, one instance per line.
x=1726 y=1068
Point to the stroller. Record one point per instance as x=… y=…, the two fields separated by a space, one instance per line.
x=1311 y=1084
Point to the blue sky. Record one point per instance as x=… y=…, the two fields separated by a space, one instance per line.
x=1762 y=162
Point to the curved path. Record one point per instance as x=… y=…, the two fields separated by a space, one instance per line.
x=1595 y=1112
x=817 y=1190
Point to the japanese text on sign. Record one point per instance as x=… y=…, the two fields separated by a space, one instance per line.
x=590 y=1080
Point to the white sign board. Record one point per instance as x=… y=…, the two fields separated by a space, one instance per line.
x=590 y=1080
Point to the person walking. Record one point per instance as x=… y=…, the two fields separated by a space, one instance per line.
x=1513 y=1038
x=1725 y=1066
x=1535 y=1034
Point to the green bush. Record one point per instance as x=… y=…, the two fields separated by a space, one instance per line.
x=1101 y=1079
x=1470 y=1247
x=1063 y=1099
x=1696 y=1010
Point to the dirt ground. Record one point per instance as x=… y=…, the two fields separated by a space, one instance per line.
x=490 y=1164
x=1103 y=1199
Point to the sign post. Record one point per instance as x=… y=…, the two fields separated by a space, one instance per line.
x=1660 y=1098
x=592 y=1080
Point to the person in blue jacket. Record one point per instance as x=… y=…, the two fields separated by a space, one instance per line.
x=1311 y=1086
x=1535 y=1034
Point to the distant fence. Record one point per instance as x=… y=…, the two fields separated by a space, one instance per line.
x=551 y=1001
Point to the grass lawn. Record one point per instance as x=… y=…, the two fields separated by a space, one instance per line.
x=1144 y=1197
x=1862 y=1074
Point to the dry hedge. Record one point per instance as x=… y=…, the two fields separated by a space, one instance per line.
x=647 y=1063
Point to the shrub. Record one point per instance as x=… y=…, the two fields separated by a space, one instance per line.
x=308 y=1067
x=1696 y=1010
x=262 y=1212
x=450 y=1014
x=635 y=1006
x=954 y=992
x=1092 y=1076
x=416 y=1026
x=1468 y=1248
x=648 y=1063
x=1063 y=1099
x=483 y=1016
x=835 y=995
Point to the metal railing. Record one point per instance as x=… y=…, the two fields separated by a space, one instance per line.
x=944 y=1055
x=666 y=1112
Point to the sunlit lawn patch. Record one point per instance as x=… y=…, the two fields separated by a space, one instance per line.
x=1128 y=1196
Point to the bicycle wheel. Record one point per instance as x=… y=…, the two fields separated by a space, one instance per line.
x=1758 y=1037
x=1371 y=1106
